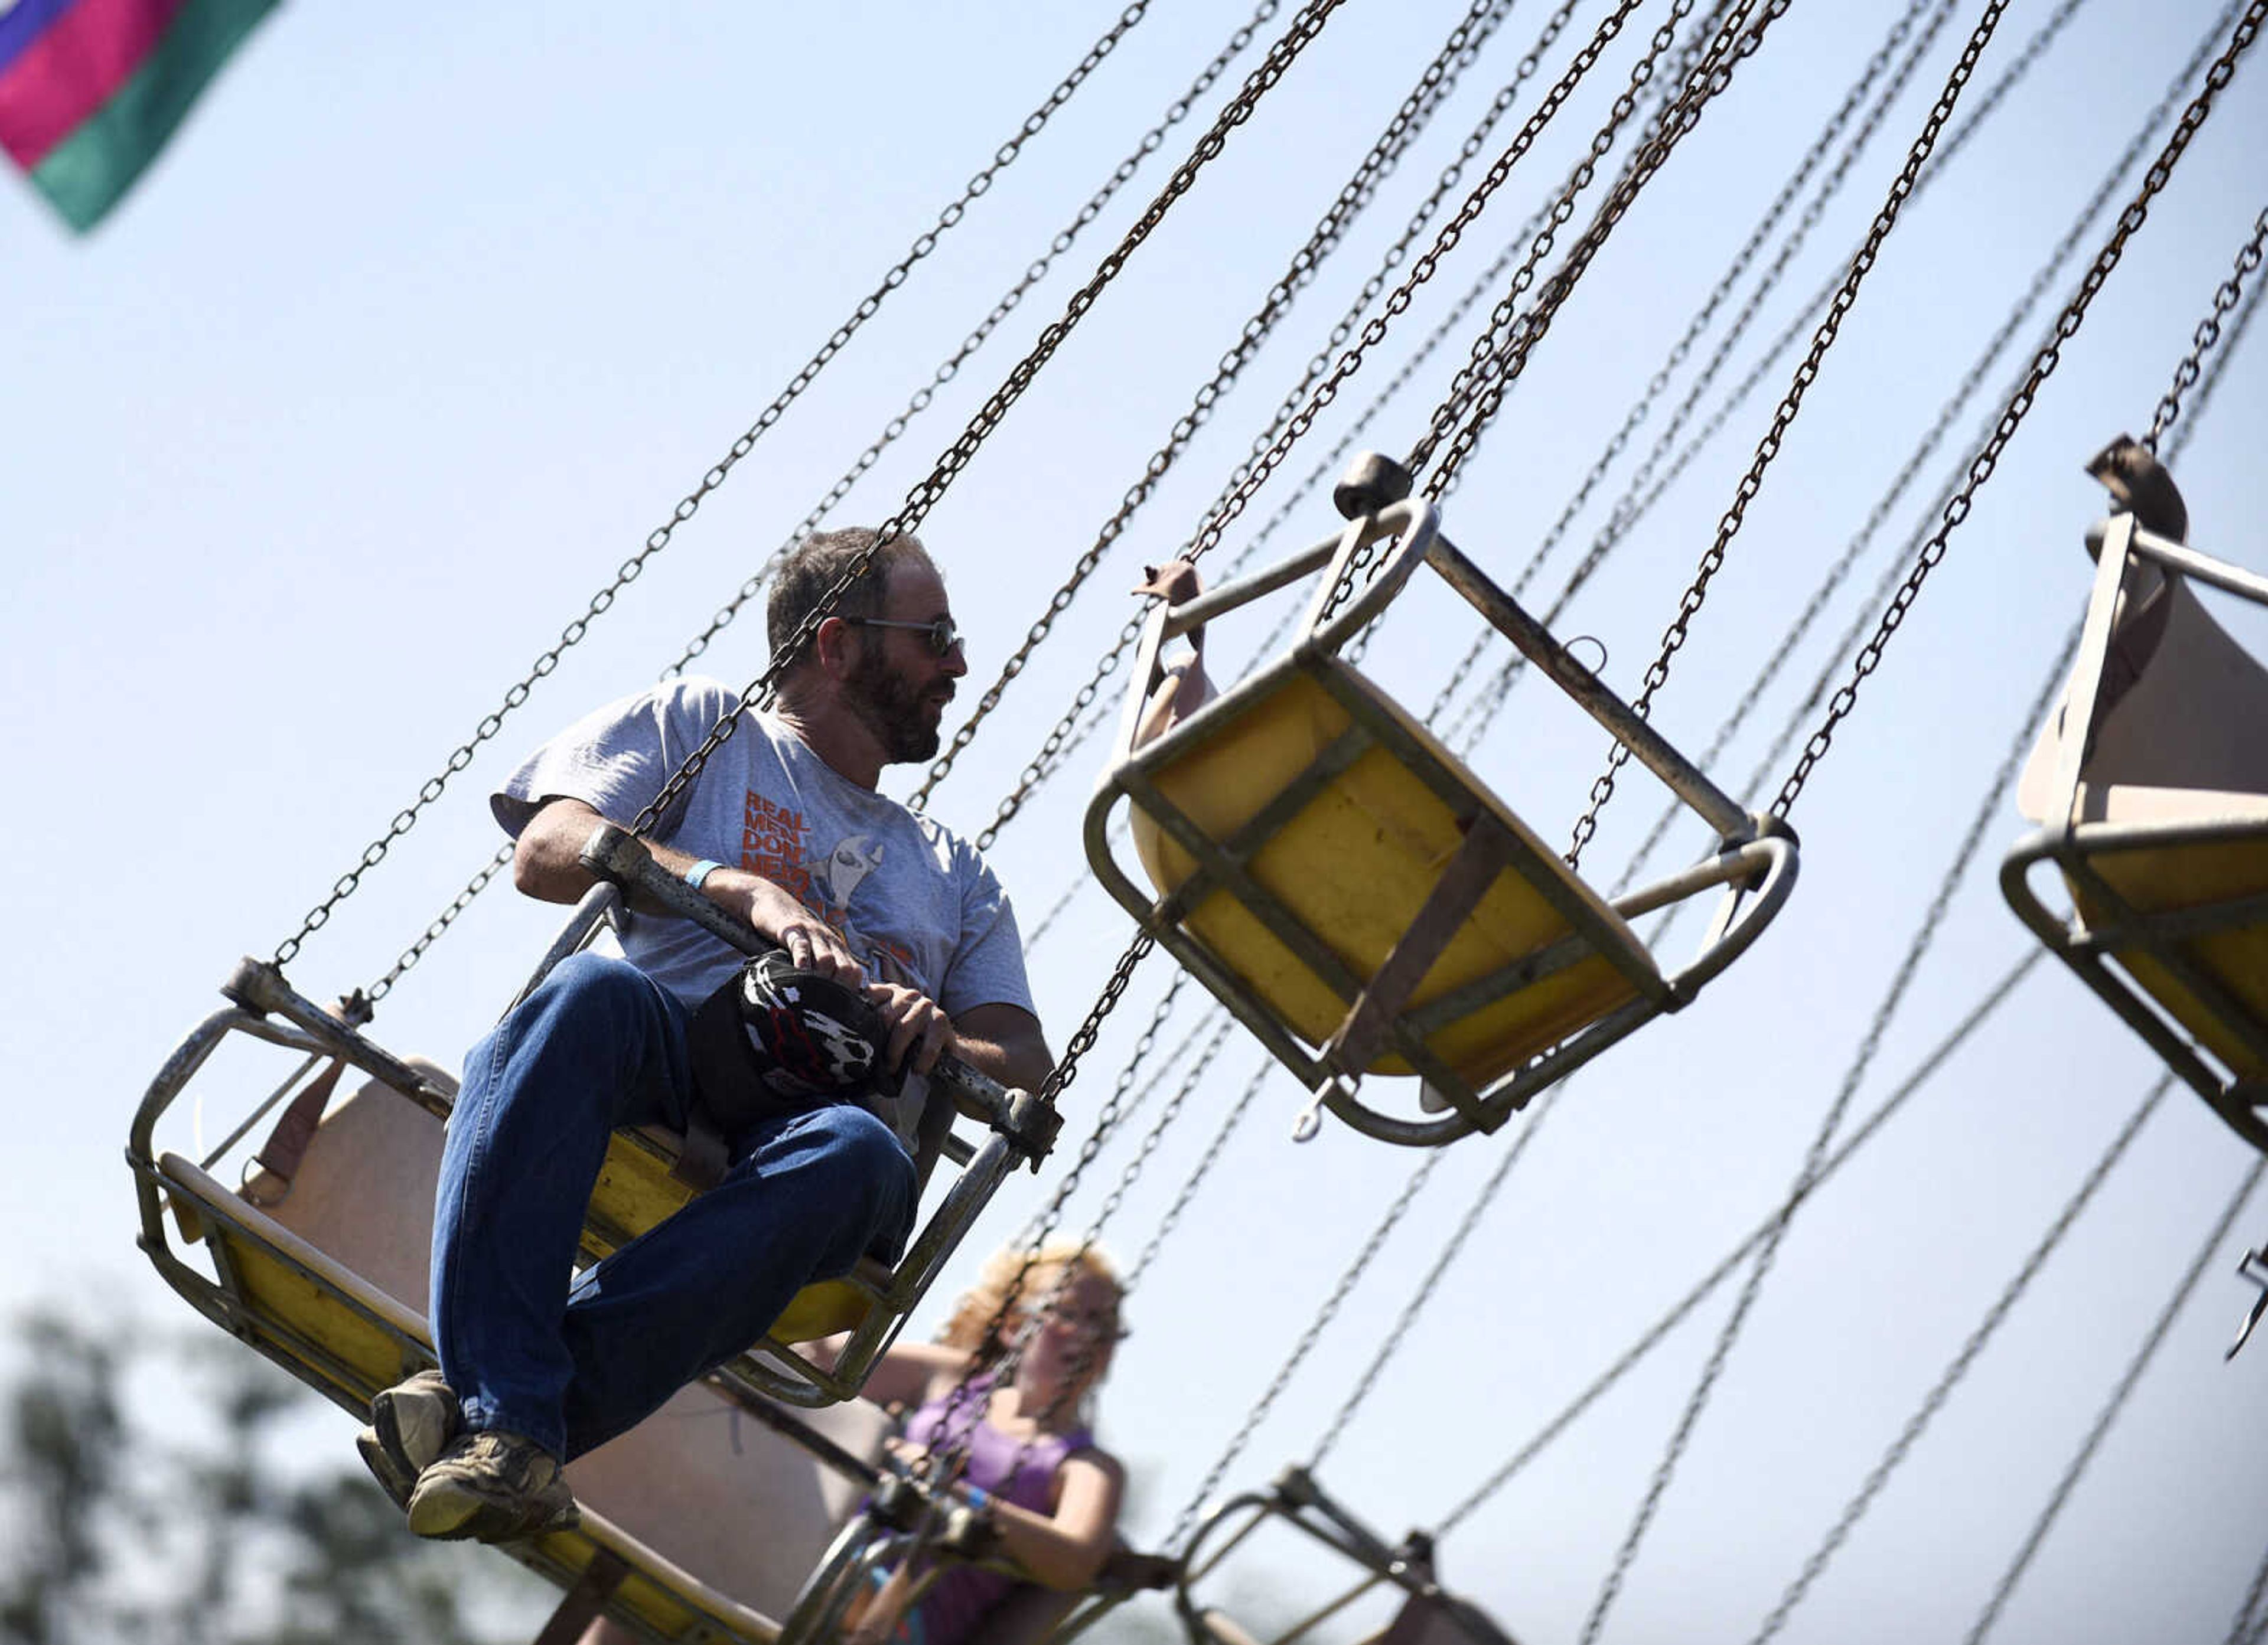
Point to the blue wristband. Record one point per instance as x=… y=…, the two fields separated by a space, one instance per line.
x=978 y=1496
x=700 y=871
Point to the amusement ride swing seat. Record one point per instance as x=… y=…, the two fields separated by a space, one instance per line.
x=2150 y=788
x=319 y=1262
x=1425 y=1615
x=1355 y=895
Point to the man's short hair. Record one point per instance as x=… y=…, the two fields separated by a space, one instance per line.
x=818 y=562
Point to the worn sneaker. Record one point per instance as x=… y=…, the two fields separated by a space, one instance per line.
x=411 y=1425
x=492 y=1487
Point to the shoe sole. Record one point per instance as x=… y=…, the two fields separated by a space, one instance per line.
x=444 y=1513
x=397 y=1482
x=414 y=1424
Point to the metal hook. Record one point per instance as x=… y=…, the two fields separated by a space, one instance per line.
x=1570 y=648
x=2255 y=1268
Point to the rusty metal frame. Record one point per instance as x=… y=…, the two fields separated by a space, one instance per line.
x=1756 y=861
x=2087 y=948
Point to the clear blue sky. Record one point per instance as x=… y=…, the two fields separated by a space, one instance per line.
x=417 y=332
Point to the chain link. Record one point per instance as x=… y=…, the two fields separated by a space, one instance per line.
x=1654 y=1334
x=1392 y=1340
x=2012 y=415
x=2214 y=367
x=2208 y=334
x=1486 y=349
x=1195 y=1178
x=1981 y=822
x=943 y=1462
x=1958 y=1369
x=1415 y=112
x=1065 y=735
x=1807 y=371
x=1398 y=301
x=657 y=540
x=1185 y=1522
x=2043 y=278
x=1305 y=26
x=1152 y=141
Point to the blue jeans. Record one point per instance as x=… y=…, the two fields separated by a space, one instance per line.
x=570 y=1363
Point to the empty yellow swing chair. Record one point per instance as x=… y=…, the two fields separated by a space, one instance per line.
x=1353 y=893
x=705 y=1522
x=2150 y=787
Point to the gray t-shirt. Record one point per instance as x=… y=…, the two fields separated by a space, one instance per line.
x=915 y=904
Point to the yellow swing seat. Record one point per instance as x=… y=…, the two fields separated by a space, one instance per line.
x=2149 y=786
x=698 y=1525
x=703 y=1523
x=1361 y=901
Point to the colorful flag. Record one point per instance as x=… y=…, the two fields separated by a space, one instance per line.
x=90 y=90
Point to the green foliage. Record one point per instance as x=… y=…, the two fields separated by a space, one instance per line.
x=216 y=1505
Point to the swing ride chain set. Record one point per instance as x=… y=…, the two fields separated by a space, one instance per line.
x=2208 y=334
x=1123 y=173
x=2043 y=364
x=1234 y=502
x=1305 y=26
x=1500 y=352
x=1698 y=76
x=1416 y=110
x=1639 y=497
x=1657 y=673
x=690 y=504
x=1067 y=732
x=1036 y=271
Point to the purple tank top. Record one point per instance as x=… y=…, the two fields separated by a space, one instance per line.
x=958 y=1602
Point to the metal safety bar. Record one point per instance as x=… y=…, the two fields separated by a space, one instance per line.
x=1297 y=1500
x=1755 y=859
x=2114 y=930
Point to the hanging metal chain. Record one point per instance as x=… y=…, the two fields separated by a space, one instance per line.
x=2208 y=334
x=2012 y=415
x=1807 y=371
x=1064 y=734
x=657 y=540
x=1195 y=1178
x=1855 y=99
x=1958 y=1369
x=1123 y=173
x=943 y=1462
x=1152 y=141
x=1305 y=26
x=1409 y=120
x=1654 y=1334
x=1488 y=345
x=2043 y=278
x=1981 y=823
x=2116 y=1404
x=1644 y=489
x=2213 y=370
x=1505 y=364
x=2241 y=1631
x=1485 y=359
x=1374 y=332
x=1391 y=1341
x=1185 y=1522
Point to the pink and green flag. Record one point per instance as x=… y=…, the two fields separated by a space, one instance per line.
x=90 y=90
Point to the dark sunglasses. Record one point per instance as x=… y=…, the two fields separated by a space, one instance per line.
x=943 y=636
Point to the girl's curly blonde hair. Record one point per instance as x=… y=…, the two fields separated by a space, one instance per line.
x=1052 y=1266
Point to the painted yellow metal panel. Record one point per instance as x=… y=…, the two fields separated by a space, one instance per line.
x=1355 y=866
x=2159 y=878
